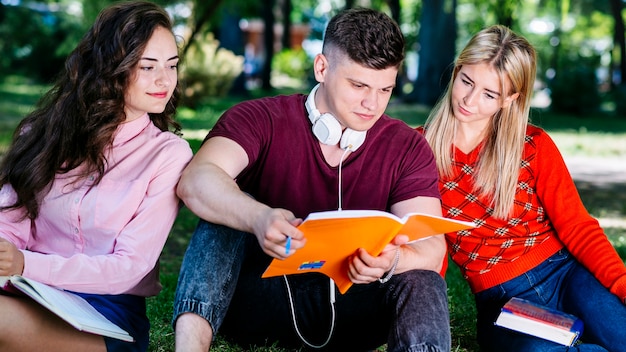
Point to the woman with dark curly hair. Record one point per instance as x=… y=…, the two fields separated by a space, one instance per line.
x=87 y=194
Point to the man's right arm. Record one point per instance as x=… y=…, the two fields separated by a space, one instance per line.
x=208 y=188
x=207 y=185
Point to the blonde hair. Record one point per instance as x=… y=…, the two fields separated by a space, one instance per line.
x=497 y=172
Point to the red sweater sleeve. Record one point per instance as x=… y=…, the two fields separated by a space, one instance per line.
x=579 y=231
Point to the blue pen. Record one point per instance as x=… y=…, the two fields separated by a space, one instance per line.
x=288 y=245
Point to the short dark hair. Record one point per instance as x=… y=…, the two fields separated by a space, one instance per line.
x=367 y=37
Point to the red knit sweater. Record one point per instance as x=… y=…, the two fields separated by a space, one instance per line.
x=548 y=215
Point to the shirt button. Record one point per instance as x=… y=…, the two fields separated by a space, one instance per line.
x=91 y=178
x=76 y=230
x=76 y=200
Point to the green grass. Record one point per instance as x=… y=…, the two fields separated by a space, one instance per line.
x=598 y=136
x=17 y=97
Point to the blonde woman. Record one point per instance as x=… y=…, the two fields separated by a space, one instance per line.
x=534 y=239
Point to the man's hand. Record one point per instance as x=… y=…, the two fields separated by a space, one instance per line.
x=364 y=268
x=277 y=234
x=11 y=259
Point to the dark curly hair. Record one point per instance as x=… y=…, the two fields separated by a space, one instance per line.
x=74 y=123
x=368 y=37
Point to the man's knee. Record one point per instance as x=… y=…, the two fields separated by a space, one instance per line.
x=423 y=280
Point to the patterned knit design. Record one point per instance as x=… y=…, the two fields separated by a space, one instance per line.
x=499 y=250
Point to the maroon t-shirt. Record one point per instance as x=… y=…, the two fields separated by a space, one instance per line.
x=287 y=169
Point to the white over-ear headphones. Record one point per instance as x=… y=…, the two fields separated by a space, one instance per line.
x=328 y=130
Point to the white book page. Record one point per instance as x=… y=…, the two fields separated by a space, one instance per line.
x=70 y=307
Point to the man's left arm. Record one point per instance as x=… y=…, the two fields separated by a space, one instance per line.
x=427 y=254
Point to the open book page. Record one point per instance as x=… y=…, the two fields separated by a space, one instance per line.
x=68 y=306
x=415 y=225
x=333 y=236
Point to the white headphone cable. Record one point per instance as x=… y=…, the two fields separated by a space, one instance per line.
x=348 y=149
x=331 y=285
x=332 y=317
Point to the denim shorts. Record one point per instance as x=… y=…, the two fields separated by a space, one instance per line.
x=129 y=313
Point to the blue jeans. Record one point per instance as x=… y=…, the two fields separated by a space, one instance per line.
x=560 y=282
x=220 y=280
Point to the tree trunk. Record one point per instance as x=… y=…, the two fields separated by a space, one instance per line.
x=437 y=40
x=619 y=40
x=201 y=19
x=268 y=43
x=394 y=6
x=504 y=12
x=286 y=11
x=231 y=37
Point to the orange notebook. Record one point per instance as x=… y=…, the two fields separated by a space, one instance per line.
x=332 y=236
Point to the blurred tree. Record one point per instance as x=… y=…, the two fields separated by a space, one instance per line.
x=202 y=13
x=91 y=9
x=269 y=19
x=231 y=37
x=619 y=40
x=504 y=10
x=581 y=28
x=33 y=31
x=209 y=71
x=582 y=37
x=395 y=9
x=286 y=9
x=437 y=38
x=619 y=87
x=220 y=58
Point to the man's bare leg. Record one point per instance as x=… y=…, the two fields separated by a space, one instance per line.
x=193 y=333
